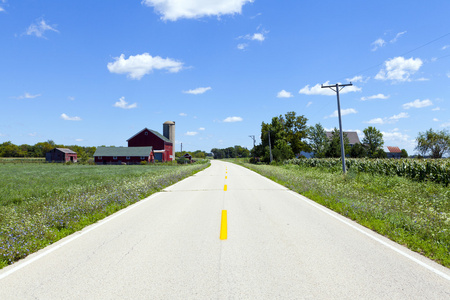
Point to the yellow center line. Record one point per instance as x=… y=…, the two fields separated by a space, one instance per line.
x=225 y=187
x=223 y=226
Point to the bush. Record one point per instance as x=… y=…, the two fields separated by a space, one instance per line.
x=183 y=160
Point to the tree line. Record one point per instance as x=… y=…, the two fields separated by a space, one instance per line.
x=195 y=154
x=289 y=136
x=230 y=152
x=8 y=149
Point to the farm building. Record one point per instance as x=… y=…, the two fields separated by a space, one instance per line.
x=163 y=145
x=123 y=155
x=352 y=137
x=61 y=155
x=393 y=152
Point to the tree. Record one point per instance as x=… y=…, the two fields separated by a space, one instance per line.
x=358 y=151
x=334 y=146
x=318 y=140
x=282 y=151
x=437 y=143
x=404 y=154
x=296 y=131
x=291 y=128
x=218 y=153
x=373 y=138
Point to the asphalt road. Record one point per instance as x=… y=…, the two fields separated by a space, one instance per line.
x=278 y=245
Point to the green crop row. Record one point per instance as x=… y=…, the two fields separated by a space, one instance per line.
x=420 y=170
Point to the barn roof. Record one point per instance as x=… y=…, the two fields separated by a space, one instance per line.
x=65 y=150
x=123 y=151
x=352 y=136
x=394 y=149
x=154 y=132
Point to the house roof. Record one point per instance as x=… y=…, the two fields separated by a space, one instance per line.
x=123 y=151
x=392 y=149
x=352 y=136
x=65 y=150
x=154 y=132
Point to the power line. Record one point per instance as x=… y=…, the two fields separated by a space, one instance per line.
x=403 y=54
x=324 y=106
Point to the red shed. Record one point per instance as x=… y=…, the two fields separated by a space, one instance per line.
x=162 y=146
x=61 y=155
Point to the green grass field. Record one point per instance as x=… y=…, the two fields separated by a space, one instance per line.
x=41 y=203
x=415 y=214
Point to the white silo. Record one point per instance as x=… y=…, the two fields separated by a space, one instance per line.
x=169 y=132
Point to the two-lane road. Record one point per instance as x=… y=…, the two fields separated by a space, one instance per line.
x=279 y=245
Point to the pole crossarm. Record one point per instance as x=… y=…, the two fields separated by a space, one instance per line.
x=337 y=88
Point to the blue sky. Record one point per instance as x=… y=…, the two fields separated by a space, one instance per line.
x=96 y=72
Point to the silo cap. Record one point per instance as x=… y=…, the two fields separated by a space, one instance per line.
x=169 y=123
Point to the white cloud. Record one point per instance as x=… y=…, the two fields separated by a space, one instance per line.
x=318 y=90
x=27 y=96
x=344 y=112
x=182 y=114
x=242 y=46
x=39 y=28
x=358 y=78
x=445 y=124
x=79 y=140
x=395 y=136
x=378 y=44
x=417 y=104
x=436 y=109
x=123 y=104
x=258 y=37
x=139 y=65
x=2 y=9
x=435 y=120
x=375 y=121
x=397 y=36
x=191 y=133
x=67 y=118
x=173 y=10
x=71 y=98
x=377 y=96
x=401 y=115
x=201 y=128
x=33 y=134
x=445 y=47
x=197 y=91
x=309 y=104
x=284 y=94
x=448 y=74
x=233 y=119
x=399 y=69
x=389 y=120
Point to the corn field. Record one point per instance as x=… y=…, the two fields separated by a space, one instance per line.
x=437 y=171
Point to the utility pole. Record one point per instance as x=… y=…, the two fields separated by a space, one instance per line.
x=336 y=88
x=270 y=148
x=181 y=147
x=254 y=141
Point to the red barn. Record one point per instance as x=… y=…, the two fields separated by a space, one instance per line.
x=162 y=146
x=61 y=155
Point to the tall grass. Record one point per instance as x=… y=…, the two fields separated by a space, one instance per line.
x=415 y=214
x=41 y=203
